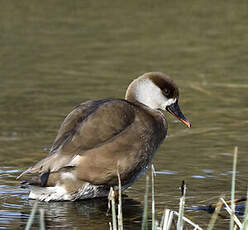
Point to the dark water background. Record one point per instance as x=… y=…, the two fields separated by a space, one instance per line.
x=56 y=54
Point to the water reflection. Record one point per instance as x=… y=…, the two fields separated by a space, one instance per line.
x=84 y=212
x=15 y=209
x=54 y=56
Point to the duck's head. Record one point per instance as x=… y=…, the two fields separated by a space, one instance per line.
x=157 y=91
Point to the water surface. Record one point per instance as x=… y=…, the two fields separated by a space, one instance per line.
x=55 y=55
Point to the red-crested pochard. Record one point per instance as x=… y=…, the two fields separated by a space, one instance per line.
x=100 y=136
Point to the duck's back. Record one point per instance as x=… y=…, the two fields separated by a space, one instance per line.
x=92 y=123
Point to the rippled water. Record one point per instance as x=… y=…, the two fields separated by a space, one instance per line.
x=55 y=55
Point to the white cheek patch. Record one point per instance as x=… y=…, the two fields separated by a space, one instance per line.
x=151 y=95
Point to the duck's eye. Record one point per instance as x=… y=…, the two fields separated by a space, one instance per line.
x=166 y=92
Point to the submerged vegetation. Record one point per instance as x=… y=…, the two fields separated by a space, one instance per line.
x=170 y=219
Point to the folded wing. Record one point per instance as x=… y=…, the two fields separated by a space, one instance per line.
x=89 y=125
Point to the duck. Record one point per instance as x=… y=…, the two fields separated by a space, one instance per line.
x=102 y=139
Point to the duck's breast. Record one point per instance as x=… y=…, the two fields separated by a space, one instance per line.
x=131 y=150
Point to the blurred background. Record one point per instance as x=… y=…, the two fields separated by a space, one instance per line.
x=57 y=54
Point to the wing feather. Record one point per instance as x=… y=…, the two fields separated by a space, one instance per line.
x=88 y=126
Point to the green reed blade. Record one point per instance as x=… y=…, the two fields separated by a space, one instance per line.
x=112 y=199
x=233 y=186
x=144 y=225
x=215 y=215
x=153 y=199
x=42 y=219
x=31 y=217
x=120 y=217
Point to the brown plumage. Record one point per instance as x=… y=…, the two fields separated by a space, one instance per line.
x=100 y=137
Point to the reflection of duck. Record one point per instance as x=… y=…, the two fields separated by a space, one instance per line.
x=99 y=136
x=91 y=213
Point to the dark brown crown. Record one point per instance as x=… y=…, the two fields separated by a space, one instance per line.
x=168 y=87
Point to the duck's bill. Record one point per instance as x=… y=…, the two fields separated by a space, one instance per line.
x=175 y=110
